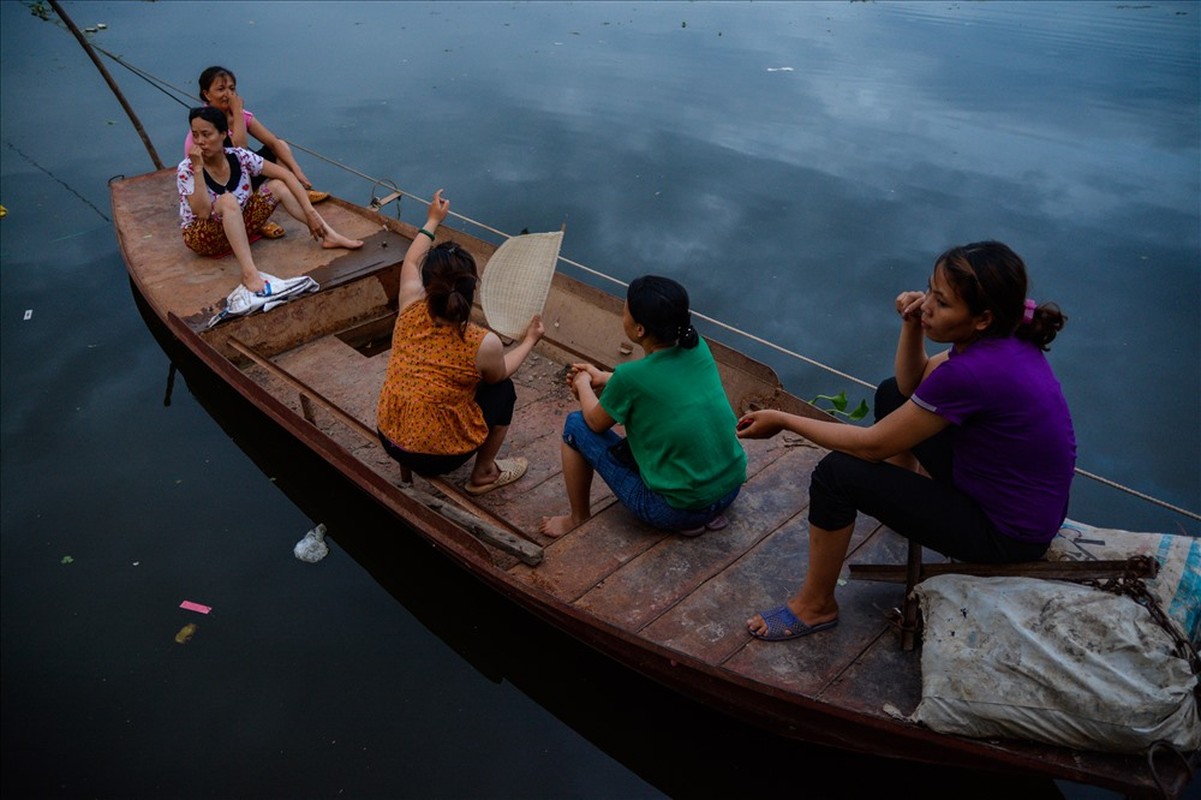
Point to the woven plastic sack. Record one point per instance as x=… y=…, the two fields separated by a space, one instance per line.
x=1178 y=585
x=1052 y=662
x=517 y=280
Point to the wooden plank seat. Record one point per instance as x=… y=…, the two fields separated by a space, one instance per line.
x=914 y=571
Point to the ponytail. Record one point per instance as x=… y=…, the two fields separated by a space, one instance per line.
x=1041 y=324
x=661 y=306
x=449 y=277
x=688 y=336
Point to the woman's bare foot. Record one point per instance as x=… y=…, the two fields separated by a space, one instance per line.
x=557 y=526
x=334 y=239
x=756 y=625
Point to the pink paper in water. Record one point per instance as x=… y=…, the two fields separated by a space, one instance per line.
x=190 y=606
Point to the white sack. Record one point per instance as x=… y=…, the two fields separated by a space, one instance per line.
x=1054 y=662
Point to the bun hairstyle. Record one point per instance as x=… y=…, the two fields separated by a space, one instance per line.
x=988 y=276
x=660 y=305
x=209 y=114
x=211 y=74
x=449 y=277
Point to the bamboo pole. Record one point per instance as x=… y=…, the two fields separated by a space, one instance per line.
x=58 y=9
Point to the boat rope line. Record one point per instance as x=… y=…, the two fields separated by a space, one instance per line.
x=1155 y=500
x=159 y=83
x=156 y=82
x=62 y=183
x=596 y=273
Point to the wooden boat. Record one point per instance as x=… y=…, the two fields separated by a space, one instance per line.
x=669 y=607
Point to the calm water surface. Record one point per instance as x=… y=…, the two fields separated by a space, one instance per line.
x=795 y=165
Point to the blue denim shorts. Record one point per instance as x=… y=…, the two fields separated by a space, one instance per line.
x=626 y=484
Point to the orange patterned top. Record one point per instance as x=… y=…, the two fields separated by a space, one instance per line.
x=427 y=404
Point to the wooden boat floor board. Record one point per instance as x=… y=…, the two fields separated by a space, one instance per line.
x=665 y=574
x=762 y=578
x=610 y=539
x=340 y=373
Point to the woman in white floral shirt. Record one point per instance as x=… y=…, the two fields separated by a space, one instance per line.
x=227 y=212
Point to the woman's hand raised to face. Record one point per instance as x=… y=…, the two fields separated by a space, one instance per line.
x=909 y=306
x=236 y=104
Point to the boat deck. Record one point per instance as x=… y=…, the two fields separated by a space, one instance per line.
x=651 y=598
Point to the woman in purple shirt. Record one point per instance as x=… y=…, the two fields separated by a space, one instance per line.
x=972 y=452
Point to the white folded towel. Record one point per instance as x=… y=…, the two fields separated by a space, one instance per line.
x=241 y=301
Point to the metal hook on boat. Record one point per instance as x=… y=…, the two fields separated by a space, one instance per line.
x=1159 y=745
x=396 y=195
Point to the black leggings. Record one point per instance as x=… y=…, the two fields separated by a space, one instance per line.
x=928 y=510
x=496 y=401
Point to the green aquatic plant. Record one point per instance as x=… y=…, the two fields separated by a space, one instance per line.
x=838 y=406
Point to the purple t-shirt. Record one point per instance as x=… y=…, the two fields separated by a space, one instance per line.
x=1013 y=446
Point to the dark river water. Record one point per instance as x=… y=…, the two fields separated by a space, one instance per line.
x=795 y=165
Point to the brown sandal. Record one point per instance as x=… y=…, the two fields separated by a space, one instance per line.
x=271 y=230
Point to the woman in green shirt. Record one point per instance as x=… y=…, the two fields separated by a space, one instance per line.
x=681 y=464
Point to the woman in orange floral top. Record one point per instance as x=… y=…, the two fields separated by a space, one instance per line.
x=448 y=394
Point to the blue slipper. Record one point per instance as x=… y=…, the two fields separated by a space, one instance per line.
x=782 y=624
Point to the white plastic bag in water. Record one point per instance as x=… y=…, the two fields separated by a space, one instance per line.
x=312 y=548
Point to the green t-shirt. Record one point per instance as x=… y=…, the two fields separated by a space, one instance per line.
x=679 y=424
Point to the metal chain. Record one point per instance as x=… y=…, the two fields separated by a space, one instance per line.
x=1131 y=585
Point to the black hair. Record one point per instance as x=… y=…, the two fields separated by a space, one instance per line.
x=989 y=276
x=660 y=305
x=449 y=276
x=209 y=114
x=211 y=74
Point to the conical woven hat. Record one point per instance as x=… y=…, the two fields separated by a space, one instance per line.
x=517 y=280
